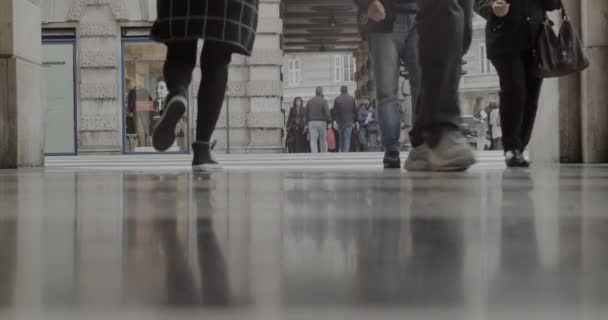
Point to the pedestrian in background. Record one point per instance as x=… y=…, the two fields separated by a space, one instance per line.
x=345 y=115
x=317 y=117
x=296 y=122
x=180 y=25
x=511 y=31
x=495 y=127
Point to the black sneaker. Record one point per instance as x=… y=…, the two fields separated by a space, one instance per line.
x=392 y=160
x=203 y=161
x=515 y=159
x=164 y=133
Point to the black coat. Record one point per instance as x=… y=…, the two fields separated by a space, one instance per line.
x=229 y=22
x=519 y=29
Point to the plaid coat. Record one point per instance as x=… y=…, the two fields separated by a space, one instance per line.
x=230 y=22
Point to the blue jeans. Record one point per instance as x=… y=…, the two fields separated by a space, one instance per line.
x=318 y=133
x=386 y=52
x=346 y=130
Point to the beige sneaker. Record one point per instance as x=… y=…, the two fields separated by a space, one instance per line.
x=419 y=159
x=452 y=153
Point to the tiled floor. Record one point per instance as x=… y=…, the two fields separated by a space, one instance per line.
x=314 y=244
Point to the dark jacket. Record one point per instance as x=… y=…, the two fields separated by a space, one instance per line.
x=345 y=109
x=519 y=29
x=229 y=22
x=296 y=119
x=317 y=109
x=384 y=26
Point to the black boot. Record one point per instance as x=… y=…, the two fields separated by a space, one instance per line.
x=516 y=159
x=392 y=160
x=203 y=161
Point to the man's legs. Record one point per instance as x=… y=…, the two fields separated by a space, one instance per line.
x=314 y=136
x=444 y=28
x=385 y=63
x=346 y=131
x=323 y=136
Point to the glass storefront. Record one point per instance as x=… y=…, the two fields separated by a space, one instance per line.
x=58 y=62
x=145 y=92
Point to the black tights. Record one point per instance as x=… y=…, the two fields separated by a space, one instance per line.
x=215 y=58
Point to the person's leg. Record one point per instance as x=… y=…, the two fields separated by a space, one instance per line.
x=323 y=136
x=179 y=63
x=533 y=87
x=445 y=33
x=215 y=59
x=385 y=63
x=442 y=43
x=345 y=135
x=314 y=136
x=511 y=72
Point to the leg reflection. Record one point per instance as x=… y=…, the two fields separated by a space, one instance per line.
x=182 y=285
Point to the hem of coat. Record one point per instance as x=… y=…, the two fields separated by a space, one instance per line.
x=234 y=48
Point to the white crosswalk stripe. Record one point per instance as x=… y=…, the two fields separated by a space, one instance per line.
x=329 y=161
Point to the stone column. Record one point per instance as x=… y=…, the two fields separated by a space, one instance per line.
x=21 y=105
x=594 y=88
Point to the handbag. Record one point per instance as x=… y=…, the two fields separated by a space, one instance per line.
x=560 y=54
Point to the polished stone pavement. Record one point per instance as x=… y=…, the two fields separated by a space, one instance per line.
x=492 y=243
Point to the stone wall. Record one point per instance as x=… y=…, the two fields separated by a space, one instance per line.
x=21 y=106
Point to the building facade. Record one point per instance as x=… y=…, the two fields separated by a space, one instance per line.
x=104 y=81
x=304 y=72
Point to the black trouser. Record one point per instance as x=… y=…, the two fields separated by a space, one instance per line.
x=445 y=31
x=519 y=95
x=215 y=58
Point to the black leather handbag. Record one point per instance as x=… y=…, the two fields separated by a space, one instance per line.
x=559 y=54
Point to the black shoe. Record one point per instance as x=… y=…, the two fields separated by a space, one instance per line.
x=516 y=159
x=203 y=161
x=164 y=133
x=392 y=160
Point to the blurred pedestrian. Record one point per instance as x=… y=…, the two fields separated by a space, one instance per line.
x=445 y=31
x=392 y=35
x=180 y=25
x=296 y=122
x=512 y=29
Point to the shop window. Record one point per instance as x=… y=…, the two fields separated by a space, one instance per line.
x=144 y=95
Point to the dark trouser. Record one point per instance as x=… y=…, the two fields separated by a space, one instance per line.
x=445 y=31
x=215 y=58
x=519 y=95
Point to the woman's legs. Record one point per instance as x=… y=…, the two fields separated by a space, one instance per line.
x=215 y=59
x=513 y=96
x=180 y=61
x=181 y=58
x=534 y=85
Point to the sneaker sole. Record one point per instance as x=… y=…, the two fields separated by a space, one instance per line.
x=417 y=166
x=209 y=168
x=164 y=133
x=453 y=165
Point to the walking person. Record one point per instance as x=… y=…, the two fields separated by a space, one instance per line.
x=317 y=117
x=345 y=115
x=296 y=122
x=393 y=37
x=445 y=30
x=180 y=25
x=512 y=29
x=496 y=127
